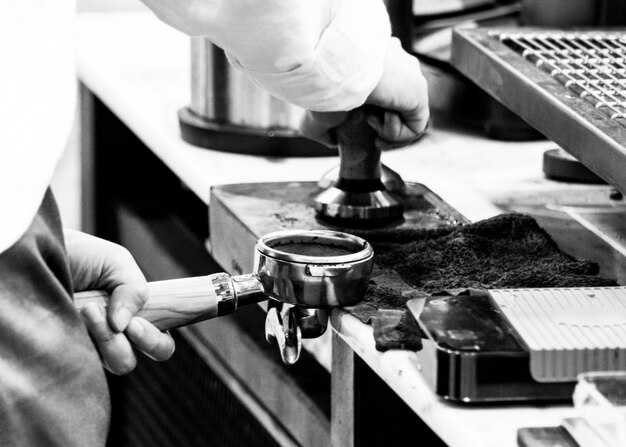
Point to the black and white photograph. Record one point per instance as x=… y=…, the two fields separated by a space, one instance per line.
x=312 y=223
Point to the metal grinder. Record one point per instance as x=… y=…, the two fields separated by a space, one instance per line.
x=361 y=189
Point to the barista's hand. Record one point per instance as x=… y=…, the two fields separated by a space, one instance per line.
x=99 y=264
x=403 y=94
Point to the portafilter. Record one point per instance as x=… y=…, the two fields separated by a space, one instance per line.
x=302 y=272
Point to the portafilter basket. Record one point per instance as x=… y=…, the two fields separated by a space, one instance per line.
x=314 y=268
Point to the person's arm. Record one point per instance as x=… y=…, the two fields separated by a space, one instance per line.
x=401 y=92
x=325 y=56
x=99 y=264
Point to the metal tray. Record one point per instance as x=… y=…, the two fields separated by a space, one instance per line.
x=571 y=86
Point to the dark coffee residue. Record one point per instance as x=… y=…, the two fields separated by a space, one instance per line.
x=313 y=249
x=507 y=251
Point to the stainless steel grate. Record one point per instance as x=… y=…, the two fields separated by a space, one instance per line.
x=569 y=85
x=590 y=64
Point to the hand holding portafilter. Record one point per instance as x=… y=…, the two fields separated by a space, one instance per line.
x=302 y=269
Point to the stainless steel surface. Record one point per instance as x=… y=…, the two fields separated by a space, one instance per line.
x=590 y=65
x=227 y=296
x=583 y=69
x=222 y=94
x=246 y=289
x=339 y=204
x=314 y=281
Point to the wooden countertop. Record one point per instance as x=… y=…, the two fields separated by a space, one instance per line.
x=140 y=69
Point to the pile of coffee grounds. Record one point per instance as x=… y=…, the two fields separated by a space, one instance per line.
x=507 y=251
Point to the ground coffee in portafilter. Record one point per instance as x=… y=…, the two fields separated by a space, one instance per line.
x=314 y=249
x=507 y=251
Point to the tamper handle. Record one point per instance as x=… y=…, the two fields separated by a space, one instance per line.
x=359 y=157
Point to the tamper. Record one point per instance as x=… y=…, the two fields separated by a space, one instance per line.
x=363 y=189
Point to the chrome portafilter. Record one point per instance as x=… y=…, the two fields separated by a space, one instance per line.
x=361 y=189
x=303 y=272
x=307 y=273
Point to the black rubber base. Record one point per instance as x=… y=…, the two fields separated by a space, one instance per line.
x=560 y=165
x=247 y=140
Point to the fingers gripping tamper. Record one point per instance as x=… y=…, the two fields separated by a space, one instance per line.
x=362 y=189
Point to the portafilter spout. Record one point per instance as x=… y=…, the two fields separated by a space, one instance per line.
x=363 y=189
x=304 y=270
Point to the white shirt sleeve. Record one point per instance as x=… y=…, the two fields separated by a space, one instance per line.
x=37 y=90
x=323 y=55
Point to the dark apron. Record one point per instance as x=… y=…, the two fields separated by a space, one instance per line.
x=52 y=387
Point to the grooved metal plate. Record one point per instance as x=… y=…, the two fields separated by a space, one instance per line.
x=570 y=86
x=591 y=66
x=568 y=330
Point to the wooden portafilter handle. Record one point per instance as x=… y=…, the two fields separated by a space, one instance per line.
x=178 y=302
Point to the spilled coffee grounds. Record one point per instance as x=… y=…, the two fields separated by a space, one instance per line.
x=507 y=251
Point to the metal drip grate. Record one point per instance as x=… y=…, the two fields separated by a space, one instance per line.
x=569 y=85
x=592 y=65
